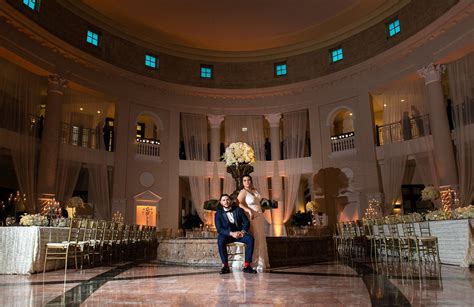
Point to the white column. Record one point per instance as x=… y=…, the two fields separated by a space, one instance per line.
x=443 y=146
x=277 y=228
x=215 y=125
x=49 y=153
x=121 y=140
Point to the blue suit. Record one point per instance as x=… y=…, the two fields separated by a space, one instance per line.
x=224 y=227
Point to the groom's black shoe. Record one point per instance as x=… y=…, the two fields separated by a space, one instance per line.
x=249 y=269
x=225 y=270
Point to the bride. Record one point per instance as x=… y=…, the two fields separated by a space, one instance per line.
x=249 y=201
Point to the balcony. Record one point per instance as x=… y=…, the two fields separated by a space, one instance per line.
x=148 y=149
x=342 y=142
x=397 y=132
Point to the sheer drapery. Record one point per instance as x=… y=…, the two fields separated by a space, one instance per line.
x=98 y=188
x=83 y=118
x=195 y=144
x=461 y=84
x=21 y=94
x=254 y=136
x=294 y=135
x=66 y=179
x=392 y=169
x=401 y=103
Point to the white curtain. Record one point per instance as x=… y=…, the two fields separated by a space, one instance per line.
x=249 y=129
x=98 y=188
x=194 y=128
x=21 y=94
x=294 y=135
x=461 y=84
x=66 y=178
x=87 y=112
x=403 y=102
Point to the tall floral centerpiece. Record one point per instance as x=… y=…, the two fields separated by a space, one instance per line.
x=238 y=157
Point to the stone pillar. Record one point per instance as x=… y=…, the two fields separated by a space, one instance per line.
x=439 y=124
x=48 y=161
x=215 y=124
x=277 y=228
x=121 y=140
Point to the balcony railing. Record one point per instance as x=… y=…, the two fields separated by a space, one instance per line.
x=396 y=132
x=342 y=142
x=148 y=148
x=79 y=136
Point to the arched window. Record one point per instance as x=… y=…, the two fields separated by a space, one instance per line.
x=341 y=123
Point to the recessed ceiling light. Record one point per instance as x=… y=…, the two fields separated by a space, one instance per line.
x=98 y=111
x=81 y=109
x=350 y=114
x=403 y=100
x=384 y=105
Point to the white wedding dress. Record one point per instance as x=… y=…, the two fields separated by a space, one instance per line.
x=260 y=253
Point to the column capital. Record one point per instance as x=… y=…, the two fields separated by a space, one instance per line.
x=273 y=119
x=432 y=72
x=215 y=120
x=56 y=83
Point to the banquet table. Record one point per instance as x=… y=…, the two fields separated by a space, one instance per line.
x=22 y=248
x=455 y=240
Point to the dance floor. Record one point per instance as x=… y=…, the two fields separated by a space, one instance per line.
x=335 y=283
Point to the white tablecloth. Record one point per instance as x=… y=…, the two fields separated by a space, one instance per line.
x=455 y=240
x=22 y=249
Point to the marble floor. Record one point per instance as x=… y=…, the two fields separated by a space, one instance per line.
x=335 y=283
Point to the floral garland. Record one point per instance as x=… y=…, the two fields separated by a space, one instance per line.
x=238 y=153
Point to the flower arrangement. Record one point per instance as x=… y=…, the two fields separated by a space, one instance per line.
x=238 y=153
x=437 y=215
x=312 y=206
x=430 y=193
x=33 y=220
x=464 y=212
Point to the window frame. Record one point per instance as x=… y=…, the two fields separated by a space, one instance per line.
x=275 y=69
x=211 y=70
x=331 y=56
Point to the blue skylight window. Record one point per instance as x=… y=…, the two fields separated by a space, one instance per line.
x=336 y=55
x=92 y=38
x=30 y=3
x=394 y=28
x=206 y=72
x=151 y=61
x=280 y=69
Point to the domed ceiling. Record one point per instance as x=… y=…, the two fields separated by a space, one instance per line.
x=243 y=26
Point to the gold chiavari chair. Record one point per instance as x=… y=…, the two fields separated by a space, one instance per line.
x=64 y=250
x=428 y=244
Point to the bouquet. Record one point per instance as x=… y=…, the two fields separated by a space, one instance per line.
x=430 y=193
x=238 y=153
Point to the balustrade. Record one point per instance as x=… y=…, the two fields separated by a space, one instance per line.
x=397 y=132
x=342 y=142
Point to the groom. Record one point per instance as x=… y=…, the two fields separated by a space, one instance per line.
x=232 y=225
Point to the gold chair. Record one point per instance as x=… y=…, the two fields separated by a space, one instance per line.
x=64 y=250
